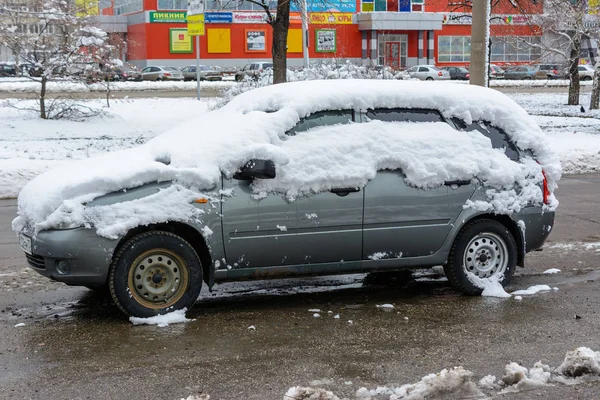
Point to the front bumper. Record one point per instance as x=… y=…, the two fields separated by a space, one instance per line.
x=87 y=256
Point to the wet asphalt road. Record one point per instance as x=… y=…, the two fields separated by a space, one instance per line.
x=76 y=345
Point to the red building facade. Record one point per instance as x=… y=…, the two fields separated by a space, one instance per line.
x=396 y=33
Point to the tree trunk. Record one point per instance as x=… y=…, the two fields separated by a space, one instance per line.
x=43 y=98
x=595 y=99
x=280 y=33
x=574 y=71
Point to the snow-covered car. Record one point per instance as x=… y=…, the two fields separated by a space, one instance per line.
x=156 y=73
x=428 y=73
x=304 y=178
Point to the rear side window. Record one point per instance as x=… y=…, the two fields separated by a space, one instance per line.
x=497 y=136
x=423 y=69
x=322 y=118
x=404 y=115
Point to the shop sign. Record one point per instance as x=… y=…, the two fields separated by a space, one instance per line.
x=242 y=17
x=218 y=17
x=180 y=41
x=496 y=19
x=195 y=25
x=326 y=41
x=168 y=17
x=317 y=6
x=256 y=40
x=330 y=18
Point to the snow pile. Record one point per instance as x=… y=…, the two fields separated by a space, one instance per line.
x=492 y=286
x=454 y=381
x=175 y=317
x=579 y=362
x=253 y=126
x=32 y=85
x=532 y=290
x=551 y=271
x=518 y=378
x=308 y=393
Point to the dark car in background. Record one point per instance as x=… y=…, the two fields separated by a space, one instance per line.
x=496 y=72
x=525 y=72
x=8 y=70
x=552 y=70
x=206 y=73
x=458 y=73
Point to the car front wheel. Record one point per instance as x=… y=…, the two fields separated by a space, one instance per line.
x=154 y=273
x=483 y=249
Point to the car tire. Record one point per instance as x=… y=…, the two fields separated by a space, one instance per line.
x=429 y=78
x=587 y=78
x=527 y=78
x=239 y=78
x=154 y=273
x=491 y=241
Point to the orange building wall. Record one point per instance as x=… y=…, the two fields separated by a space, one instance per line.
x=503 y=7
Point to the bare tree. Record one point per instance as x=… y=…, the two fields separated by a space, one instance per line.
x=277 y=15
x=56 y=42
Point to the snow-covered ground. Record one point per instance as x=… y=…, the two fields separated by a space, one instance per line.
x=29 y=146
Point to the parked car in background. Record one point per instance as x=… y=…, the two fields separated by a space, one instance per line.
x=157 y=73
x=458 y=73
x=552 y=70
x=586 y=72
x=8 y=70
x=206 y=73
x=496 y=72
x=428 y=73
x=525 y=72
x=131 y=74
x=253 y=70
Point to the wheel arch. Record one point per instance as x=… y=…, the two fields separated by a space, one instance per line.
x=186 y=232
x=510 y=225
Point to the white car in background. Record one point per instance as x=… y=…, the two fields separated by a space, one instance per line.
x=586 y=72
x=428 y=73
x=156 y=73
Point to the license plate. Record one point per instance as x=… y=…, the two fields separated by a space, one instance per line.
x=25 y=243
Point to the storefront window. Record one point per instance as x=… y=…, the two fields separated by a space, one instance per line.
x=392 y=5
x=454 y=48
x=128 y=6
x=515 y=48
x=217 y=5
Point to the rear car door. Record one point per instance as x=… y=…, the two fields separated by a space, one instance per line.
x=272 y=231
x=402 y=221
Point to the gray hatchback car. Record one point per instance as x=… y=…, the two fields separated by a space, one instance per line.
x=387 y=224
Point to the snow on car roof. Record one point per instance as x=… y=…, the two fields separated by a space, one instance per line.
x=254 y=124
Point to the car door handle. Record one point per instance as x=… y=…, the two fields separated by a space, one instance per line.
x=343 y=192
x=457 y=183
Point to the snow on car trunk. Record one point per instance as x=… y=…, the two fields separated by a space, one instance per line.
x=253 y=125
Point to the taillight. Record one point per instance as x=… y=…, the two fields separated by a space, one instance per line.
x=167 y=74
x=546 y=191
x=440 y=73
x=468 y=76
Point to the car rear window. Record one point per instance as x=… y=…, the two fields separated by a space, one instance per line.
x=496 y=135
x=404 y=115
x=322 y=118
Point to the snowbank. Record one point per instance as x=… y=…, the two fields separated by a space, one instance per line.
x=253 y=125
x=175 y=317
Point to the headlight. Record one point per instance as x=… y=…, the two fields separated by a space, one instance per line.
x=68 y=225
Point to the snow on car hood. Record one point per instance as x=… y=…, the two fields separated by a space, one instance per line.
x=195 y=154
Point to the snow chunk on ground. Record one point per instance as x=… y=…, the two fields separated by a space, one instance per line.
x=175 y=317
x=581 y=361
x=386 y=306
x=491 y=286
x=552 y=271
x=454 y=381
x=488 y=382
x=532 y=290
x=519 y=378
x=309 y=393
x=19 y=325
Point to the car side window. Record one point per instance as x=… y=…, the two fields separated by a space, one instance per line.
x=423 y=69
x=581 y=69
x=404 y=115
x=497 y=136
x=322 y=118
x=147 y=69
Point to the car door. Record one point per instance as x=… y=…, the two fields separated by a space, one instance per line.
x=400 y=220
x=272 y=231
x=423 y=73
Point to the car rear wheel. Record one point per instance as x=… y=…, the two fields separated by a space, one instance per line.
x=587 y=78
x=154 y=273
x=483 y=249
x=429 y=78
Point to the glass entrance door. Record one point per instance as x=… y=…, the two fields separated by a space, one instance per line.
x=393 y=50
x=392 y=54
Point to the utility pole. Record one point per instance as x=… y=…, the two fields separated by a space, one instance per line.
x=479 y=38
x=305 y=34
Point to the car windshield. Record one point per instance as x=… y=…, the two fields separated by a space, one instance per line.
x=461 y=69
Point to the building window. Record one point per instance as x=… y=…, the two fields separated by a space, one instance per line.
x=172 y=5
x=516 y=48
x=454 y=49
x=392 y=5
x=128 y=6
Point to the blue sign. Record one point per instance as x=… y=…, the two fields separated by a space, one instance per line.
x=218 y=18
x=345 y=6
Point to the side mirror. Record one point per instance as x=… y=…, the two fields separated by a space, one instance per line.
x=256 y=169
